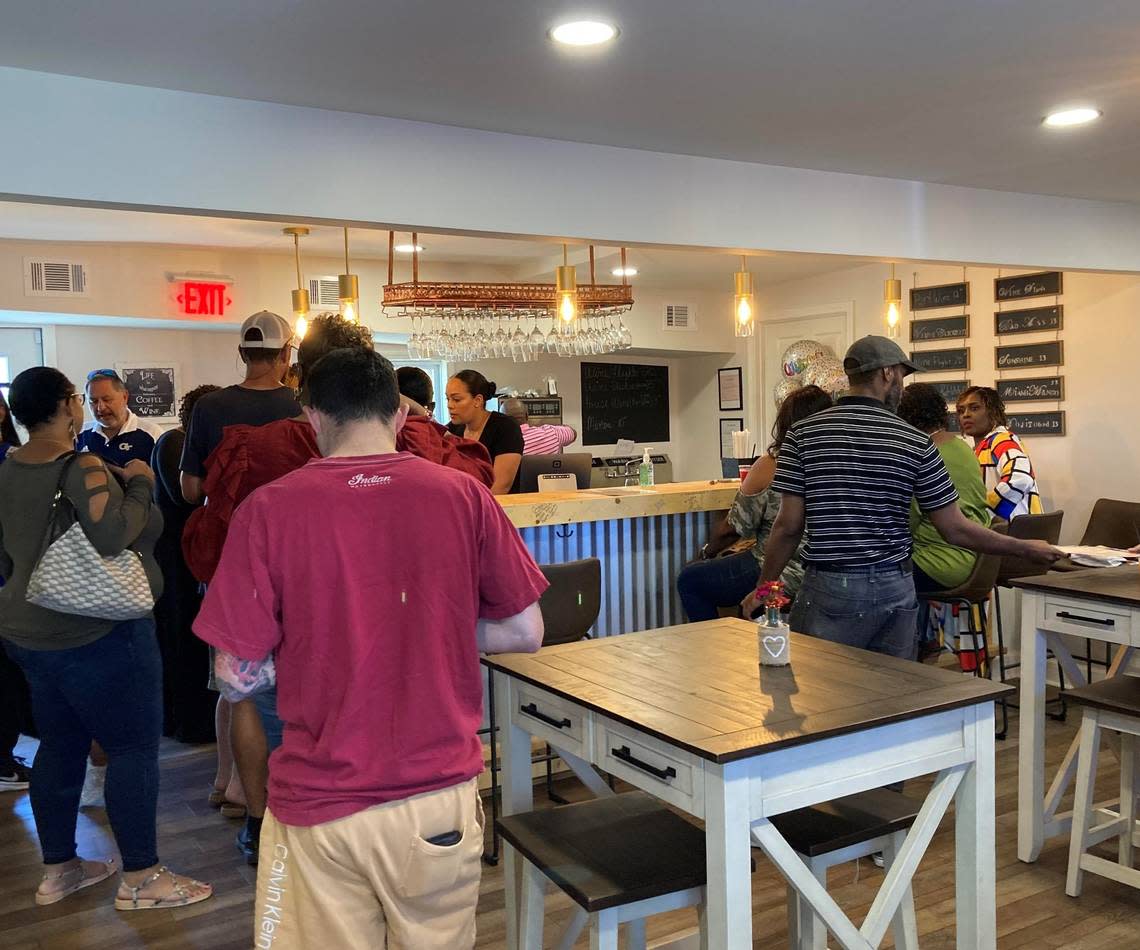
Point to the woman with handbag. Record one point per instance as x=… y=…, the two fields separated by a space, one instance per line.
x=76 y=554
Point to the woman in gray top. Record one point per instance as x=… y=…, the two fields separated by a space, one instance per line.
x=90 y=679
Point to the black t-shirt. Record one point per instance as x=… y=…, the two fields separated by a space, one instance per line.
x=500 y=436
x=232 y=406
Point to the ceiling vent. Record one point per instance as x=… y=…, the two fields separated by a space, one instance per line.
x=680 y=316
x=324 y=292
x=54 y=278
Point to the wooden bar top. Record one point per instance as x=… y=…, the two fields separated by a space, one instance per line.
x=579 y=507
x=700 y=686
x=1117 y=585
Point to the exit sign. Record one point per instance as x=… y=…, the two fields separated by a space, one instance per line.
x=200 y=298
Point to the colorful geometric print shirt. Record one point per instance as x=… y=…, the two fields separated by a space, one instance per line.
x=1008 y=474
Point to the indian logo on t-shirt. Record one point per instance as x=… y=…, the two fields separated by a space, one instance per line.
x=360 y=480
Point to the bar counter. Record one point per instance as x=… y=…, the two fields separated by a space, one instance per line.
x=643 y=538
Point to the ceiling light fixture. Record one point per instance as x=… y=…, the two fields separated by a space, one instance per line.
x=1066 y=118
x=744 y=305
x=348 y=289
x=624 y=272
x=408 y=248
x=566 y=290
x=892 y=304
x=583 y=33
x=300 y=295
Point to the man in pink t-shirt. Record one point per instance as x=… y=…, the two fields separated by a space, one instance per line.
x=373 y=835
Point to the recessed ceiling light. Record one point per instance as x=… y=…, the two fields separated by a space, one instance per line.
x=624 y=272
x=408 y=248
x=1069 y=117
x=583 y=33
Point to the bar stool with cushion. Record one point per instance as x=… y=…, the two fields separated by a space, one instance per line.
x=621 y=859
x=1114 y=705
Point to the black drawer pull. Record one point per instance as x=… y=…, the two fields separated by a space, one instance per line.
x=1103 y=621
x=532 y=710
x=626 y=756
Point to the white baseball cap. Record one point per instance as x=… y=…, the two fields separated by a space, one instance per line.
x=266 y=330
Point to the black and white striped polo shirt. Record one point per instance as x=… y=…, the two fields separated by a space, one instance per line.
x=857 y=466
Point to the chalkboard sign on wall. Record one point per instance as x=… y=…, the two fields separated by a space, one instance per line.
x=1051 y=353
x=1039 y=389
x=941 y=361
x=949 y=391
x=940 y=328
x=1037 y=423
x=151 y=390
x=1031 y=320
x=1045 y=284
x=945 y=295
x=625 y=401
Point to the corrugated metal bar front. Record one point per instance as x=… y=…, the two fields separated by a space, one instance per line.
x=641 y=558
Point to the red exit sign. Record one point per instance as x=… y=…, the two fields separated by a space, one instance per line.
x=200 y=298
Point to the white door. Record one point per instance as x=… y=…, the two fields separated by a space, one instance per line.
x=20 y=348
x=830 y=324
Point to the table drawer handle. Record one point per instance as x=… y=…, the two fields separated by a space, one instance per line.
x=532 y=710
x=1103 y=621
x=626 y=756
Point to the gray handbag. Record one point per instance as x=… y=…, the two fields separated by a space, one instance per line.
x=73 y=578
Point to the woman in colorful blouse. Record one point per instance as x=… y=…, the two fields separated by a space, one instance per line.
x=713 y=582
x=1006 y=467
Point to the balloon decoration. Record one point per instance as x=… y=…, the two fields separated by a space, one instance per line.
x=799 y=356
x=821 y=371
x=809 y=363
x=783 y=389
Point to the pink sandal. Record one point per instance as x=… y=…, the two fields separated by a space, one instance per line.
x=182 y=897
x=74 y=880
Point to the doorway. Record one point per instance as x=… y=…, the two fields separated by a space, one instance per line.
x=20 y=348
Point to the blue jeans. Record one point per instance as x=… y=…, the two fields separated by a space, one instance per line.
x=110 y=691
x=876 y=611
x=266 y=704
x=721 y=582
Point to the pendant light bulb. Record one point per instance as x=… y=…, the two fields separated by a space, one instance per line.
x=300 y=327
x=300 y=295
x=744 y=304
x=348 y=289
x=892 y=304
x=566 y=290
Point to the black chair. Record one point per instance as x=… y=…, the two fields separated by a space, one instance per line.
x=570 y=607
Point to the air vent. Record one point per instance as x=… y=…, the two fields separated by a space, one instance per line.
x=680 y=316
x=324 y=292
x=54 y=278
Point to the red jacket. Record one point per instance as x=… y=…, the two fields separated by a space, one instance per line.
x=251 y=456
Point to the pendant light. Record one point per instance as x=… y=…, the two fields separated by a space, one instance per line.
x=892 y=304
x=744 y=304
x=566 y=291
x=300 y=295
x=348 y=289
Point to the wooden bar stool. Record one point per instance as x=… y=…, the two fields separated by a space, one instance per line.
x=621 y=859
x=842 y=830
x=1112 y=704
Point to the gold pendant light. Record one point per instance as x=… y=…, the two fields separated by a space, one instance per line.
x=348 y=289
x=892 y=304
x=744 y=304
x=300 y=295
x=566 y=291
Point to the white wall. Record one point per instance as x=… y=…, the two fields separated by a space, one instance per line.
x=1100 y=455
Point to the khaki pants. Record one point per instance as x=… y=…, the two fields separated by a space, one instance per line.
x=371 y=880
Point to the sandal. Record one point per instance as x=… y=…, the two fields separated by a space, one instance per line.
x=74 y=879
x=181 y=896
x=232 y=810
x=217 y=797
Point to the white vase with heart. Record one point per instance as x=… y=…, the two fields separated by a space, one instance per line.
x=775 y=643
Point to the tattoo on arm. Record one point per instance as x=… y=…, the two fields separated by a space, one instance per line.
x=239 y=679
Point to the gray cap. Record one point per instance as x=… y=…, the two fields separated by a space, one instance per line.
x=266 y=330
x=875 y=352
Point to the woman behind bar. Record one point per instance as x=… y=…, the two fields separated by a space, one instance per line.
x=713 y=582
x=467 y=395
x=1006 y=467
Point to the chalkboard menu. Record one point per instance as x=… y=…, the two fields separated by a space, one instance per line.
x=1044 y=284
x=1051 y=353
x=1040 y=389
x=940 y=328
x=1030 y=320
x=949 y=391
x=945 y=295
x=941 y=361
x=1037 y=423
x=150 y=391
x=625 y=401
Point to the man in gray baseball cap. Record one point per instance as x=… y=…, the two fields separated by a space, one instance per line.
x=876 y=367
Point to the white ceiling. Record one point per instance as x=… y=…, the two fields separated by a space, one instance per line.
x=935 y=90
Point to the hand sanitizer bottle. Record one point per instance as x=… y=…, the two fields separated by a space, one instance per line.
x=645 y=471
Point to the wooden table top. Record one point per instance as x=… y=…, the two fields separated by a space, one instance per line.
x=1117 y=585
x=700 y=686
x=579 y=507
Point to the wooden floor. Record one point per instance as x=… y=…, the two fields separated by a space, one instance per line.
x=1033 y=911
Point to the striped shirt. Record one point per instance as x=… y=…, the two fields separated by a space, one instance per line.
x=857 y=467
x=546 y=440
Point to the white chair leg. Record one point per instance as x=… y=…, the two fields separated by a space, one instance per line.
x=793 y=918
x=703 y=922
x=904 y=926
x=1127 y=797
x=1082 y=801
x=635 y=934
x=604 y=930
x=813 y=933
x=533 y=896
x=573 y=929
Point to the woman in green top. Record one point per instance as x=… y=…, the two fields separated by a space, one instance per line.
x=938 y=565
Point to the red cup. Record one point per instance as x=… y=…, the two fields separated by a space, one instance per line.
x=744 y=470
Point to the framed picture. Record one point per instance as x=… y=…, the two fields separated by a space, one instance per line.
x=727 y=427
x=152 y=389
x=730 y=387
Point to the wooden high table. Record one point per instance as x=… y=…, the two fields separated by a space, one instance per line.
x=1099 y=604
x=687 y=714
